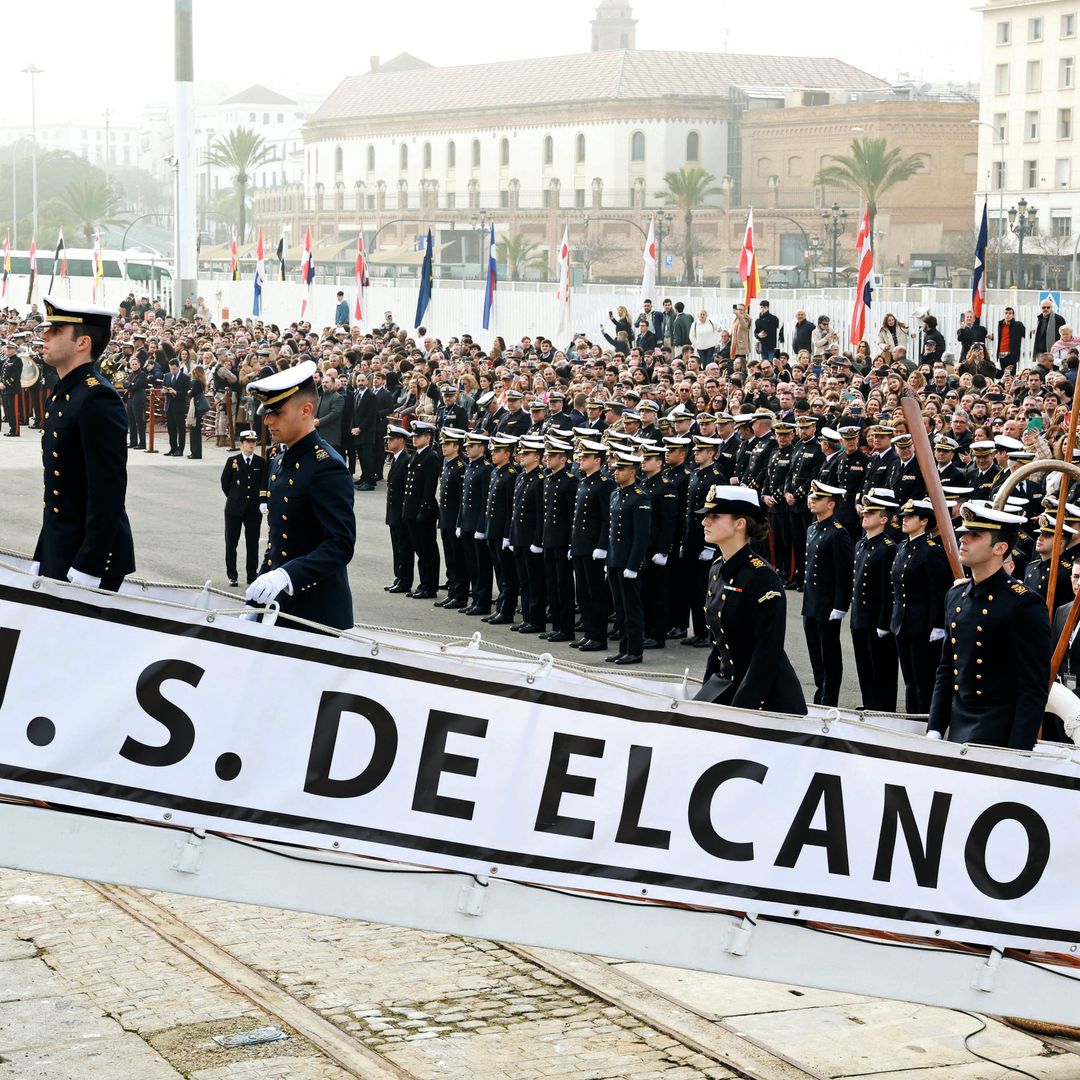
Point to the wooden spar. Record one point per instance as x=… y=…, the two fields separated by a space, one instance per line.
x=1063 y=493
x=924 y=454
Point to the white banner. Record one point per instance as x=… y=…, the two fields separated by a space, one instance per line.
x=155 y=711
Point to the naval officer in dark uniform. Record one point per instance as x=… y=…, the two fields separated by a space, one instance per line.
x=244 y=485
x=629 y=531
x=85 y=536
x=589 y=545
x=310 y=519
x=993 y=680
x=746 y=611
x=420 y=509
x=830 y=560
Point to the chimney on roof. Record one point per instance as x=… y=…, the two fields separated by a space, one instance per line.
x=374 y=66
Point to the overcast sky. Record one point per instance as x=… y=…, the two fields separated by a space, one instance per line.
x=120 y=58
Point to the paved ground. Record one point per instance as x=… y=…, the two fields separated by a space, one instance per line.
x=175 y=506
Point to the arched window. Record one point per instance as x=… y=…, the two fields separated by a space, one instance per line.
x=692 y=146
x=637 y=146
x=504 y=152
x=371 y=159
x=476 y=154
x=403 y=157
x=451 y=155
x=339 y=159
x=795 y=166
x=427 y=155
x=549 y=149
x=579 y=150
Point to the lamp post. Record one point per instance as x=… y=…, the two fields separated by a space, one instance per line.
x=999 y=276
x=812 y=256
x=1023 y=220
x=834 y=221
x=33 y=70
x=480 y=222
x=663 y=228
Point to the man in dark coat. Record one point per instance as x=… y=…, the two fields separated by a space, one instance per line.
x=420 y=511
x=401 y=544
x=176 y=390
x=244 y=483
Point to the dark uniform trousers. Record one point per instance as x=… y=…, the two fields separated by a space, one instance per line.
x=593 y=597
x=457 y=576
x=402 y=548
x=533 y=585
x=559 y=581
x=826 y=657
x=250 y=525
x=655 y=597
x=875 y=662
x=135 y=407
x=782 y=547
x=422 y=542
x=629 y=614
x=506 y=576
x=478 y=568
x=919 y=659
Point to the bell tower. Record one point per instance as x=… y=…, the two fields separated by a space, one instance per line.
x=614 y=26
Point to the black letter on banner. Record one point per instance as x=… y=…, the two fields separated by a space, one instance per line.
x=175 y=720
x=559 y=782
x=700 y=817
x=833 y=838
x=9 y=639
x=630 y=830
x=1038 y=853
x=324 y=739
x=434 y=761
x=925 y=860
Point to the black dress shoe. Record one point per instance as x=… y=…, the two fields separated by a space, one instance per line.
x=676 y=633
x=500 y=620
x=399 y=588
x=422 y=594
x=695 y=641
x=441 y=603
x=577 y=643
x=517 y=626
x=614 y=659
x=628 y=659
x=531 y=628
x=233 y=582
x=479 y=611
x=546 y=635
x=387 y=588
x=455 y=605
x=592 y=646
x=653 y=643
x=558 y=639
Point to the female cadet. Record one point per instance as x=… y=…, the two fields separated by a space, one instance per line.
x=745 y=609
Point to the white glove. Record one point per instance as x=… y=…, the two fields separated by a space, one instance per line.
x=659 y=559
x=934 y=735
x=882 y=633
x=264 y=508
x=599 y=553
x=536 y=550
x=264 y=589
x=505 y=544
x=629 y=574
x=707 y=555
x=35 y=569
x=457 y=533
x=479 y=536
x=836 y=613
x=937 y=635
x=77 y=577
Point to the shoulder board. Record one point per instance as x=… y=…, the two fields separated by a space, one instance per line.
x=931 y=542
x=639 y=491
x=837 y=525
x=665 y=480
x=1020 y=590
x=235 y=463
x=888 y=542
x=756 y=562
x=771 y=595
x=91 y=381
x=321 y=454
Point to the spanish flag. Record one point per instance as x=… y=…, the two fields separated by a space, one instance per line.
x=748 y=269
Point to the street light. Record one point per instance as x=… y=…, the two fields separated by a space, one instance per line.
x=999 y=277
x=481 y=221
x=663 y=228
x=1023 y=221
x=834 y=221
x=32 y=71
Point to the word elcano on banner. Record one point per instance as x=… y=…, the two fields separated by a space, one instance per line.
x=470 y=764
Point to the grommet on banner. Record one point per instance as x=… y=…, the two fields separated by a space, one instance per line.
x=546 y=661
x=831 y=717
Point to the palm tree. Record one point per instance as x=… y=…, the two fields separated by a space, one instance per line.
x=871 y=169
x=686 y=190
x=241 y=151
x=518 y=254
x=94 y=204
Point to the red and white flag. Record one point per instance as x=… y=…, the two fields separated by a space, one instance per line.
x=748 y=268
x=360 y=277
x=562 y=296
x=864 y=287
x=307 y=272
x=648 y=275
